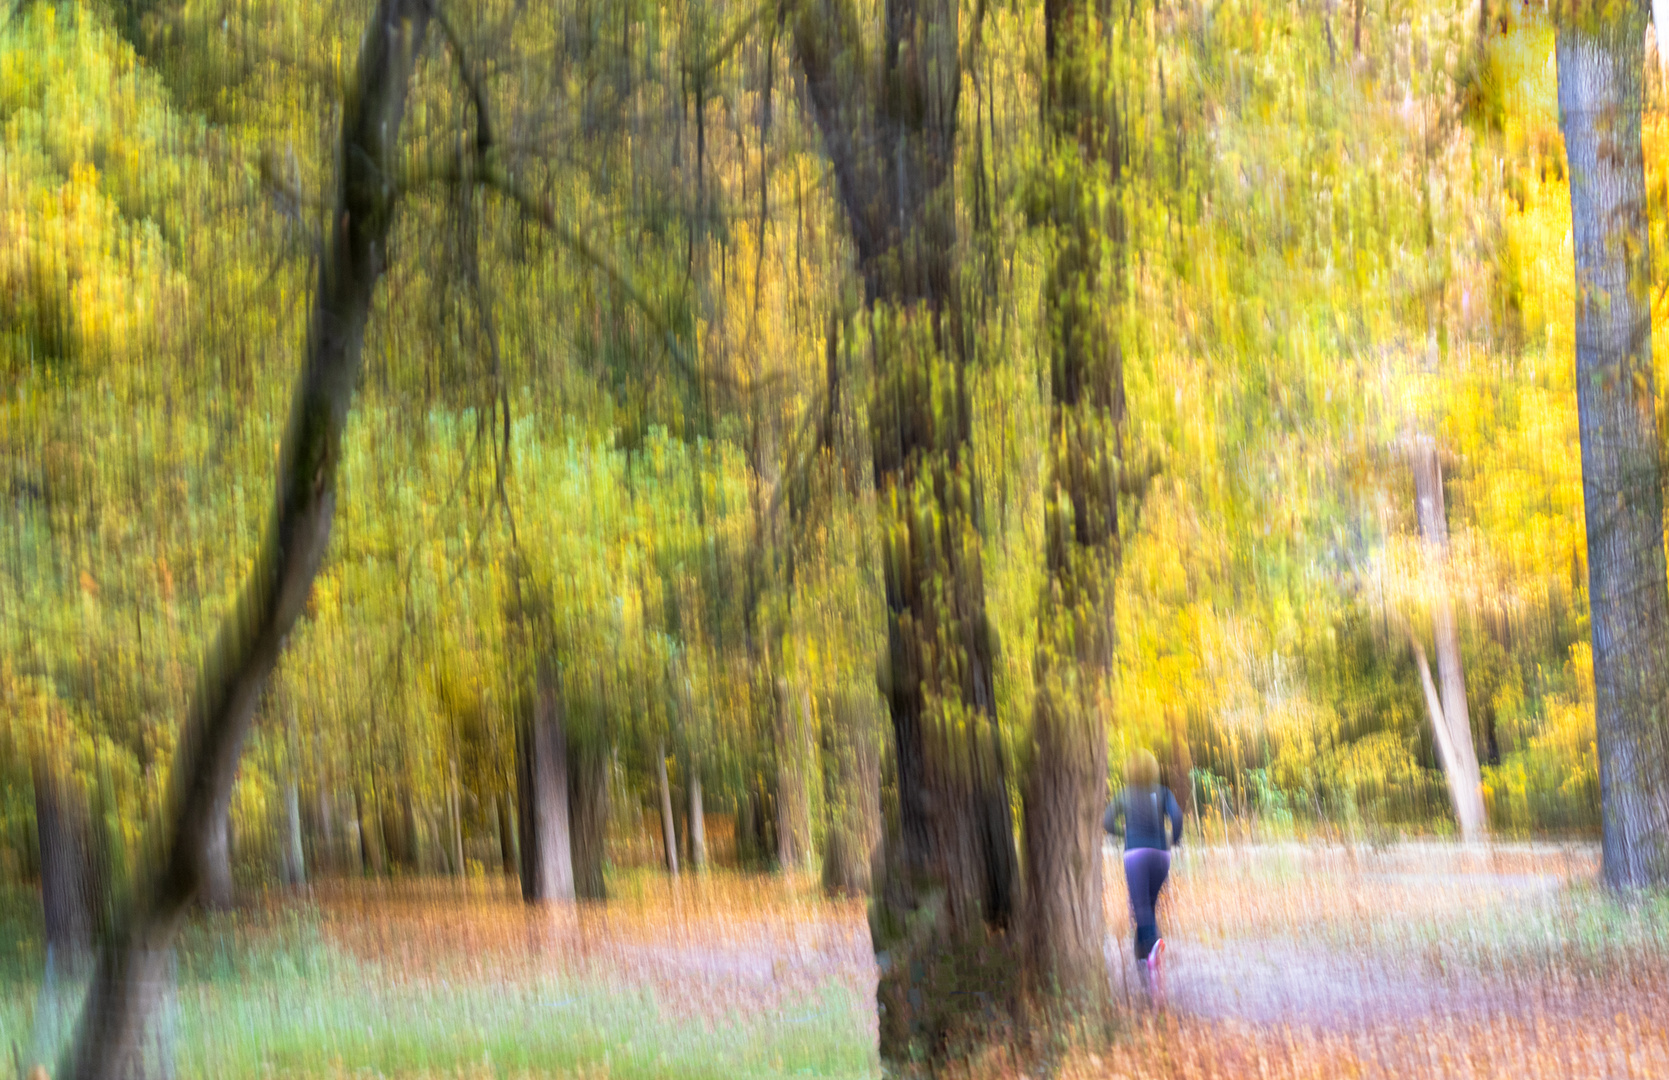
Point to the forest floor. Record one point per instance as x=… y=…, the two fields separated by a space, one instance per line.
x=1412 y=960
x=1283 y=961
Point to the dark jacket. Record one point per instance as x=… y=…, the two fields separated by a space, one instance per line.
x=1144 y=810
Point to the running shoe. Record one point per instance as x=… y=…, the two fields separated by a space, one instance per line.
x=1155 y=955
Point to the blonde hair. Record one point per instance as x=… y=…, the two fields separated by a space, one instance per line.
x=1141 y=769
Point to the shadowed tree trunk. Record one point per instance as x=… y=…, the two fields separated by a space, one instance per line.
x=588 y=813
x=506 y=835
x=1601 y=59
x=133 y=962
x=887 y=117
x=542 y=765
x=1448 y=708
x=1066 y=786
x=67 y=878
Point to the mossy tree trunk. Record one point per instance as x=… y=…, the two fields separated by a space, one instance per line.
x=1066 y=786
x=887 y=117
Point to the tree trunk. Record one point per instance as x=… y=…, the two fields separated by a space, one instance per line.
x=887 y=117
x=455 y=822
x=669 y=835
x=67 y=877
x=1066 y=787
x=851 y=795
x=793 y=813
x=698 y=821
x=1601 y=61
x=546 y=841
x=133 y=963
x=588 y=814
x=1442 y=736
x=325 y=859
x=1461 y=766
x=217 y=891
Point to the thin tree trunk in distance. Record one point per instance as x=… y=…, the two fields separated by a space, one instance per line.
x=1465 y=779
x=63 y=829
x=295 y=865
x=133 y=963
x=851 y=795
x=455 y=811
x=669 y=834
x=1601 y=60
x=698 y=821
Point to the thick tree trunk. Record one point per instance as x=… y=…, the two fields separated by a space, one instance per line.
x=1461 y=763
x=546 y=840
x=588 y=813
x=698 y=821
x=1601 y=61
x=888 y=120
x=669 y=834
x=1066 y=787
x=67 y=877
x=851 y=795
x=133 y=964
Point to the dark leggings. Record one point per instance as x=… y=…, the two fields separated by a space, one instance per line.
x=1145 y=870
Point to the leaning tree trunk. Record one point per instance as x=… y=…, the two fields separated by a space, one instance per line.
x=887 y=117
x=1066 y=786
x=1601 y=57
x=1461 y=763
x=68 y=895
x=669 y=833
x=546 y=840
x=133 y=962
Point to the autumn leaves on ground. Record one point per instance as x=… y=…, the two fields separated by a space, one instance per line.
x=1284 y=961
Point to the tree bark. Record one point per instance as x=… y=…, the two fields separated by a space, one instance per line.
x=793 y=811
x=546 y=840
x=133 y=963
x=1460 y=764
x=887 y=117
x=1601 y=61
x=217 y=891
x=67 y=877
x=1066 y=787
x=588 y=813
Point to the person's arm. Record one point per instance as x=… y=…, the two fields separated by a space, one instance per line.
x=1175 y=813
x=1112 y=819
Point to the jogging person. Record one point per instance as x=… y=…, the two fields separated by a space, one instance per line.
x=1142 y=808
